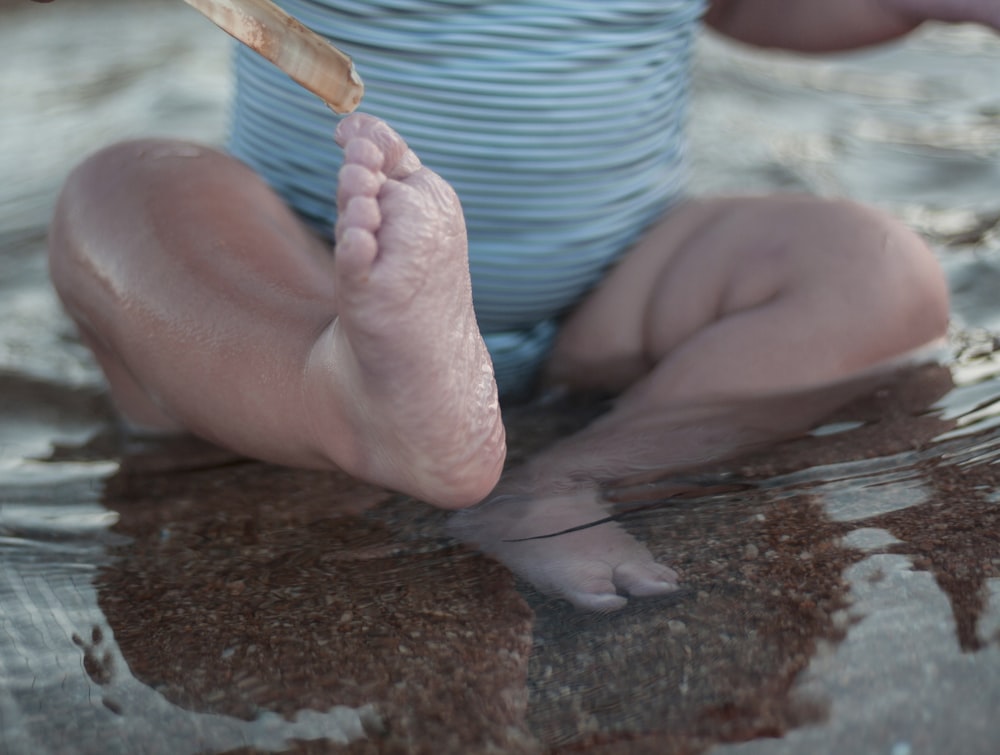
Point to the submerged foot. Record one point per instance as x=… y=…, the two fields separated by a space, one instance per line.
x=593 y=567
x=414 y=375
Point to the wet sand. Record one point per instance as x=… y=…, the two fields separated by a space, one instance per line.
x=841 y=592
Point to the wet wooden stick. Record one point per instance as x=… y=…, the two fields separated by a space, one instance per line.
x=298 y=51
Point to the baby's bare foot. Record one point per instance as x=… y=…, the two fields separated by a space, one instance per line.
x=593 y=567
x=414 y=377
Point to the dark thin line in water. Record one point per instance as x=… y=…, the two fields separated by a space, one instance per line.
x=676 y=498
x=577 y=528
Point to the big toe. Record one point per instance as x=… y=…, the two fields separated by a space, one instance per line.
x=603 y=587
x=398 y=162
x=645 y=578
x=352 y=126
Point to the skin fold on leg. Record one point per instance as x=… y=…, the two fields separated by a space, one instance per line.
x=734 y=323
x=212 y=309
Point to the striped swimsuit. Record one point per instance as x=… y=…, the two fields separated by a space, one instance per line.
x=558 y=122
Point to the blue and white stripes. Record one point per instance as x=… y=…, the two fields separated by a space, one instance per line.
x=558 y=122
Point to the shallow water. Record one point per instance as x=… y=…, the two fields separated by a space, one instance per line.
x=841 y=592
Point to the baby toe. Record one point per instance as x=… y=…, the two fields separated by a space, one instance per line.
x=352 y=126
x=364 y=152
x=587 y=586
x=356 y=180
x=355 y=252
x=645 y=578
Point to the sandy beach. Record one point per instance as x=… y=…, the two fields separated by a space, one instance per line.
x=841 y=592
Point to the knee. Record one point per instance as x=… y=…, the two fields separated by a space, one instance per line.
x=892 y=277
x=105 y=179
x=124 y=168
x=82 y=208
x=116 y=185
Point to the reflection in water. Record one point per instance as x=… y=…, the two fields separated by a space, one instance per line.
x=547 y=521
x=916 y=506
x=246 y=603
x=895 y=683
x=840 y=591
x=66 y=685
x=263 y=589
x=715 y=661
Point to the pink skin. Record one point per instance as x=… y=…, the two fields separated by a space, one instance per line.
x=902 y=14
x=594 y=567
x=821 y=26
x=985 y=12
x=416 y=373
x=370 y=362
x=543 y=521
x=212 y=310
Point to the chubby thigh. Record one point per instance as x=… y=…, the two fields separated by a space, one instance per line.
x=159 y=249
x=743 y=296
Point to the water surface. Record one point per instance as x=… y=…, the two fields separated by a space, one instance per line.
x=841 y=592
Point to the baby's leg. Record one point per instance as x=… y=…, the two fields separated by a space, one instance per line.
x=751 y=296
x=553 y=540
x=212 y=309
x=734 y=323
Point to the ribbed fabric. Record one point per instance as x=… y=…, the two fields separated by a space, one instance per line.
x=558 y=122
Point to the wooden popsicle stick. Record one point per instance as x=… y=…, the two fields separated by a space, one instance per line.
x=298 y=51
